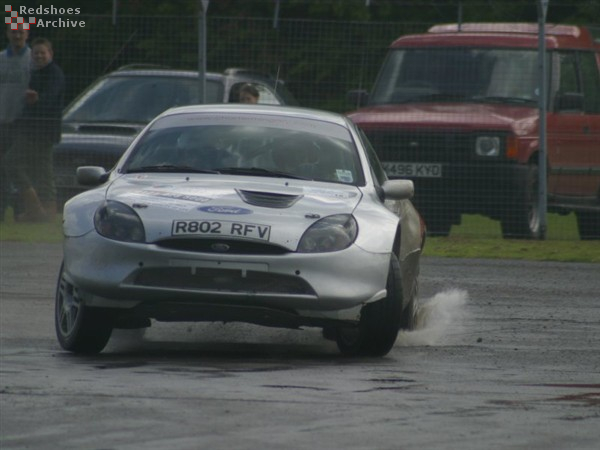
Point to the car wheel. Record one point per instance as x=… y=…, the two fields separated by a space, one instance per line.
x=379 y=323
x=521 y=220
x=588 y=223
x=79 y=329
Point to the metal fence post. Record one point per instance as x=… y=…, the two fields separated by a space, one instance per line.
x=202 y=9
x=542 y=103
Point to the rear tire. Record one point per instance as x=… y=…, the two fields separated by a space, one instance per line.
x=588 y=223
x=380 y=321
x=79 y=328
x=522 y=218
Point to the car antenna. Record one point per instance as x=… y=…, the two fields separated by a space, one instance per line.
x=277 y=77
x=119 y=51
x=361 y=78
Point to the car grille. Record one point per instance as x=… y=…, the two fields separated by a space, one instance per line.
x=224 y=280
x=228 y=246
x=422 y=146
x=268 y=199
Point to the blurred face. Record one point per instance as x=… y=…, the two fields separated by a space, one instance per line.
x=17 y=38
x=246 y=97
x=42 y=56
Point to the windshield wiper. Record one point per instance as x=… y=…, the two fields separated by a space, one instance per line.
x=169 y=168
x=500 y=99
x=440 y=96
x=259 y=171
x=430 y=97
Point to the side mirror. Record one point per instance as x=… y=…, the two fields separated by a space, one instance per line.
x=91 y=175
x=569 y=101
x=357 y=97
x=398 y=189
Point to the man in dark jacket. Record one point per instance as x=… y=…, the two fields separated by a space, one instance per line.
x=15 y=68
x=30 y=158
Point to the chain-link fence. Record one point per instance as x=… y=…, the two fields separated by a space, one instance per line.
x=445 y=118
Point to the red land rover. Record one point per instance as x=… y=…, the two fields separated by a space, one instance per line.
x=456 y=110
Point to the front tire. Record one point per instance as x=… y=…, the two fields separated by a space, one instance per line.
x=380 y=321
x=522 y=218
x=79 y=328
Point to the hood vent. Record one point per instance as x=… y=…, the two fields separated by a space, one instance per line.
x=268 y=199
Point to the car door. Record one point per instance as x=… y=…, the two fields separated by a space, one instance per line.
x=573 y=126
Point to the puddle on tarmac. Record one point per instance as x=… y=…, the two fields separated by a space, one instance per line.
x=439 y=320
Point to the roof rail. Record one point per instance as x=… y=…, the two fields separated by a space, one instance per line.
x=142 y=66
x=512 y=28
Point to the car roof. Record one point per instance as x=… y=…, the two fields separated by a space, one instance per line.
x=160 y=72
x=518 y=35
x=279 y=110
x=148 y=70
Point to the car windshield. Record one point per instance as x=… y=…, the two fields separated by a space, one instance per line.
x=138 y=99
x=457 y=74
x=248 y=146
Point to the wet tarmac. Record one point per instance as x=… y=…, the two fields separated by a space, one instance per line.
x=506 y=356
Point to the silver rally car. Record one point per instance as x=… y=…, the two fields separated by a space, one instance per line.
x=271 y=215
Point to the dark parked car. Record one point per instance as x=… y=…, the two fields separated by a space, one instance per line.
x=101 y=122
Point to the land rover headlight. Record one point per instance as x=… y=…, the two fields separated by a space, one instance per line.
x=330 y=234
x=115 y=220
x=488 y=146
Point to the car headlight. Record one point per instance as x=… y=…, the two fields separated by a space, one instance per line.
x=329 y=234
x=487 y=146
x=115 y=220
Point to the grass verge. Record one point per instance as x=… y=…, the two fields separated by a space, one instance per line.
x=480 y=237
x=476 y=237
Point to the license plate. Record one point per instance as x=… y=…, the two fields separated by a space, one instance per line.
x=402 y=169
x=221 y=228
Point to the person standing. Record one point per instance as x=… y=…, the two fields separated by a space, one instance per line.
x=15 y=67
x=29 y=159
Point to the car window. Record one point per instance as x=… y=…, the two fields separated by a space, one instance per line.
x=248 y=148
x=376 y=167
x=285 y=94
x=452 y=74
x=266 y=95
x=591 y=82
x=138 y=99
x=569 y=80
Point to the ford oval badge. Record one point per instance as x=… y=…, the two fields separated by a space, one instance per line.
x=219 y=247
x=234 y=210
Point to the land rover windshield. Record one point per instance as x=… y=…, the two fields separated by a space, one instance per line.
x=457 y=74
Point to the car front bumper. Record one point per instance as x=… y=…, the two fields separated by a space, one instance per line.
x=147 y=277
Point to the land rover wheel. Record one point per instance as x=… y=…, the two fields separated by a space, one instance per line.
x=521 y=220
x=437 y=222
x=588 y=223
